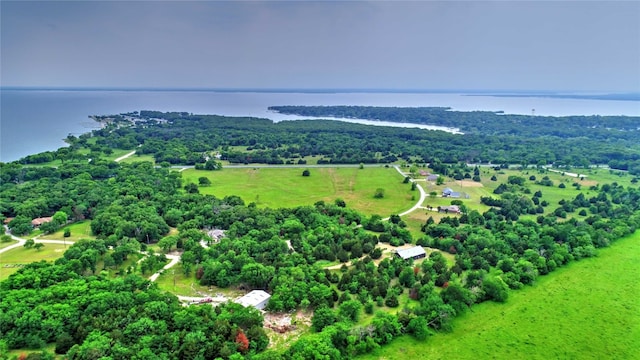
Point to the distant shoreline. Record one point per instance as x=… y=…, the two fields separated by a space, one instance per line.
x=587 y=95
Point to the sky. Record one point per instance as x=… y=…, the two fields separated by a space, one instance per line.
x=499 y=45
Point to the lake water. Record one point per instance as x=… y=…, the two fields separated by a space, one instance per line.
x=33 y=121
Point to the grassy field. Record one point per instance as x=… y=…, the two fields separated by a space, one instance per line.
x=20 y=255
x=79 y=230
x=188 y=286
x=587 y=310
x=137 y=158
x=283 y=187
x=8 y=243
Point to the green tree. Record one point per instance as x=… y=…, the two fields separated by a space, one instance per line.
x=188 y=260
x=204 y=181
x=30 y=243
x=20 y=225
x=64 y=342
x=212 y=165
x=323 y=316
x=458 y=297
x=38 y=246
x=495 y=289
x=191 y=188
x=407 y=277
x=306 y=172
x=60 y=218
x=418 y=327
x=379 y=194
x=350 y=309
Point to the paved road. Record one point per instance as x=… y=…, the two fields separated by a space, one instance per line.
x=292 y=166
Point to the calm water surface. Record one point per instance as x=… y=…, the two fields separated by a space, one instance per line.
x=33 y=121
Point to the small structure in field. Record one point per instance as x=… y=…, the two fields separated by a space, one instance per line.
x=432 y=177
x=256 y=298
x=415 y=253
x=451 y=209
x=448 y=192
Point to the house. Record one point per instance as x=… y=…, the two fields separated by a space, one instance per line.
x=451 y=209
x=448 y=192
x=39 y=221
x=256 y=298
x=415 y=253
x=423 y=173
x=216 y=235
x=432 y=177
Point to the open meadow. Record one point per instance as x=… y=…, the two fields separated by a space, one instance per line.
x=286 y=187
x=11 y=260
x=79 y=230
x=587 y=310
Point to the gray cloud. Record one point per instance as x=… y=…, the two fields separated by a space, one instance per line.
x=471 y=45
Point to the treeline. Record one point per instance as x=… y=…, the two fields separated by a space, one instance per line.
x=484 y=122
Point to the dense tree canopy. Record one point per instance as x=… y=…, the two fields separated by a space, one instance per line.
x=77 y=306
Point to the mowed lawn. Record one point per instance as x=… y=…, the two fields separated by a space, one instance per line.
x=79 y=230
x=587 y=310
x=10 y=259
x=284 y=187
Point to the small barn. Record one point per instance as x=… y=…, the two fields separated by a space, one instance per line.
x=451 y=209
x=415 y=253
x=256 y=298
x=448 y=192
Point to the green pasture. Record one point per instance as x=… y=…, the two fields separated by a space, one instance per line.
x=286 y=187
x=79 y=230
x=8 y=243
x=138 y=158
x=552 y=194
x=20 y=255
x=587 y=310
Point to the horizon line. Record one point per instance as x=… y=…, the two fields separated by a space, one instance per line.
x=317 y=90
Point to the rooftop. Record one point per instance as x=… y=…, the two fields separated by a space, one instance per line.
x=253 y=298
x=411 y=252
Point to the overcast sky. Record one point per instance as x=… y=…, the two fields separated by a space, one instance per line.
x=518 y=45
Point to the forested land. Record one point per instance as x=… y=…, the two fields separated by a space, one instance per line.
x=88 y=314
x=187 y=139
x=588 y=130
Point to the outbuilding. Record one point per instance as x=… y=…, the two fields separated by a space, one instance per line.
x=448 y=192
x=415 y=253
x=256 y=298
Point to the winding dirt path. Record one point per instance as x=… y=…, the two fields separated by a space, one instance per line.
x=125 y=156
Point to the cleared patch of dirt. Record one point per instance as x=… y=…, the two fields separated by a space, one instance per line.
x=285 y=328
